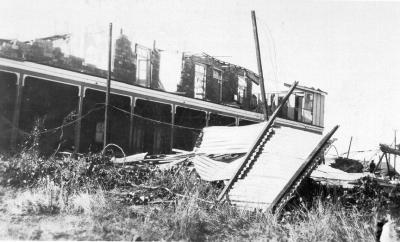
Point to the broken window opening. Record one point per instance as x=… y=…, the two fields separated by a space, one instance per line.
x=199 y=81
x=143 y=66
x=92 y=131
x=53 y=103
x=242 y=92
x=221 y=120
x=244 y=122
x=152 y=127
x=217 y=74
x=185 y=138
x=308 y=108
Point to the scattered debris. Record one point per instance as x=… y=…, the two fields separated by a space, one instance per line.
x=348 y=165
x=330 y=176
x=129 y=159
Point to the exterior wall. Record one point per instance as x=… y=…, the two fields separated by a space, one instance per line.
x=155 y=70
x=124 y=61
x=187 y=78
x=213 y=86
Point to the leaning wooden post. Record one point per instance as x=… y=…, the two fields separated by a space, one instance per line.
x=378 y=164
x=348 y=151
x=260 y=70
x=395 y=141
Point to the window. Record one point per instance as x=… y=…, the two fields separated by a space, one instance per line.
x=217 y=74
x=142 y=71
x=199 y=81
x=308 y=107
x=143 y=63
x=99 y=132
x=242 y=86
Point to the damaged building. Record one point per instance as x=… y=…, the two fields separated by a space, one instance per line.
x=147 y=114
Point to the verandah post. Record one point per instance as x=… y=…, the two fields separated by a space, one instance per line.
x=77 y=136
x=17 y=111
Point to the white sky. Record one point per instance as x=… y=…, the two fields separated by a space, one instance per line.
x=349 y=49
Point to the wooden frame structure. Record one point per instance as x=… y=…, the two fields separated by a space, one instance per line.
x=386 y=149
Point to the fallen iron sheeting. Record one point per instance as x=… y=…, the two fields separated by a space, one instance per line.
x=279 y=160
x=129 y=159
x=161 y=160
x=228 y=140
x=328 y=175
x=272 y=172
x=212 y=170
x=347 y=165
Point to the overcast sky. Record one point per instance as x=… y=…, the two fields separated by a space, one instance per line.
x=349 y=49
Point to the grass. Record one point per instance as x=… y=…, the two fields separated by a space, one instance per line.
x=42 y=214
x=62 y=201
x=186 y=219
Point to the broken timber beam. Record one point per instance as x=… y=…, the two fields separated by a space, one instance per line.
x=377 y=165
x=387 y=165
x=387 y=149
x=250 y=155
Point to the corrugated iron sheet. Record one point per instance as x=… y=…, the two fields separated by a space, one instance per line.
x=331 y=176
x=212 y=170
x=280 y=158
x=228 y=140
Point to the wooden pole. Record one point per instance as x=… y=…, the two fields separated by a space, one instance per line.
x=348 y=151
x=108 y=88
x=78 y=125
x=395 y=143
x=172 y=127
x=260 y=70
